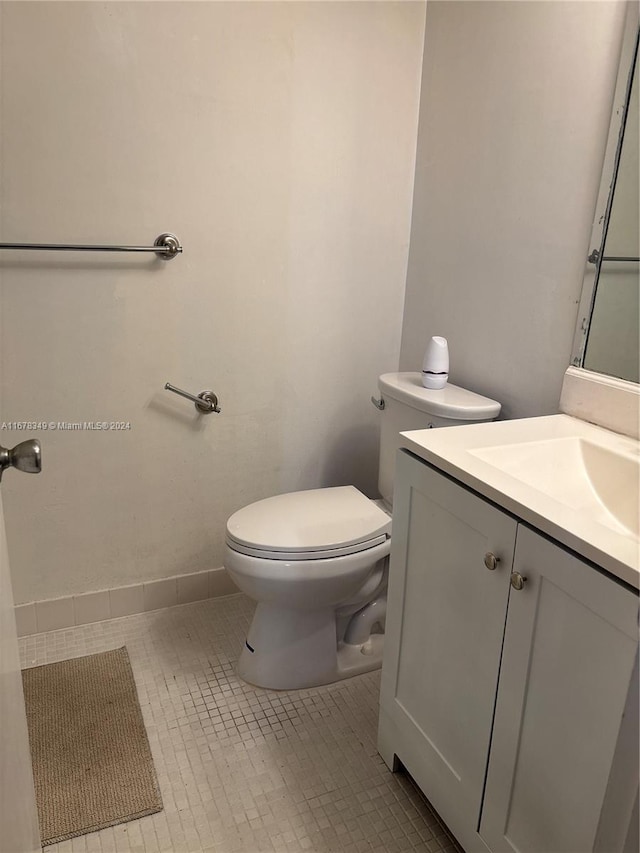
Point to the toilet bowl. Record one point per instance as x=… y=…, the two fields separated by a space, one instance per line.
x=317 y=561
x=308 y=558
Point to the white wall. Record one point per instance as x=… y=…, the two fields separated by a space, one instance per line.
x=278 y=142
x=515 y=108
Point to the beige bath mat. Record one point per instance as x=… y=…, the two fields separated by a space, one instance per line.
x=92 y=765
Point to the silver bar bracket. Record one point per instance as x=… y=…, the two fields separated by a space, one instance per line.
x=594 y=257
x=205 y=402
x=166 y=246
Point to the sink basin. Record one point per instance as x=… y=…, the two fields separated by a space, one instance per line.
x=574 y=481
x=604 y=486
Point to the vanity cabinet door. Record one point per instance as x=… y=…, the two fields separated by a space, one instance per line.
x=563 y=769
x=443 y=639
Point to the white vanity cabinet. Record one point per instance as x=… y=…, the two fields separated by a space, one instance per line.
x=514 y=709
x=443 y=639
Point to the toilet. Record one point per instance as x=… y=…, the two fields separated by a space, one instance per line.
x=316 y=562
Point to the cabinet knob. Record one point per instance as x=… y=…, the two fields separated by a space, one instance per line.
x=517 y=580
x=491 y=561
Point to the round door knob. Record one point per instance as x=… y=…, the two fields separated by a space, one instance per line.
x=491 y=561
x=517 y=580
x=26 y=456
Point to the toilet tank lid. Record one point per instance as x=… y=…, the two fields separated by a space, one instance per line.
x=314 y=520
x=451 y=402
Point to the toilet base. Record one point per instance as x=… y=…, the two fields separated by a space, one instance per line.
x=354 y=660
x=290 y=649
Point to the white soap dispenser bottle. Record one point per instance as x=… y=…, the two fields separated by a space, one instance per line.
x=435 y=367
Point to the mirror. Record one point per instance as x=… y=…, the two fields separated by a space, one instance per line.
x=607 y=338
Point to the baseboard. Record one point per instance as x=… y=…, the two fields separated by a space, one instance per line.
x=69 y=611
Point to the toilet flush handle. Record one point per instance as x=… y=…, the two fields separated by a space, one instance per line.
x=379 y=404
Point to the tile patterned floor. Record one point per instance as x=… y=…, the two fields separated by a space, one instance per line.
x=244 y=770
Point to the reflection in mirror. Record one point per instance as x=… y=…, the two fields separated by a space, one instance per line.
x=613 y=344
x=606 y=338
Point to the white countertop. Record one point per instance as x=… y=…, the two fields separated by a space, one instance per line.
x=453 y=450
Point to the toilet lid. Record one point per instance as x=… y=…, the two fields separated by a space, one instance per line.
x=316 y=522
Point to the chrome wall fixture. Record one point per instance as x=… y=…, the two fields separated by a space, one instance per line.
x=165 y=246
x=594 y=257
x=206 y=402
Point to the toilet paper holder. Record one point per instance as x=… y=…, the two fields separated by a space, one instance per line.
x=205 y=402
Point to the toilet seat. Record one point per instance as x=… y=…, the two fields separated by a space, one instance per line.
x=309 y=525
x=285 y=556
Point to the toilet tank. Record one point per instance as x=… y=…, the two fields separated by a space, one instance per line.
x=408 y=405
